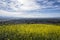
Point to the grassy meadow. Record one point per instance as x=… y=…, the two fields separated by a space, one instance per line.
x=30 y=32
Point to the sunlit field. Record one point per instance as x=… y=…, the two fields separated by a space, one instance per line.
x=30 y=32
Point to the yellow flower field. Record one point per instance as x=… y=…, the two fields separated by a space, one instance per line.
x=30 y=32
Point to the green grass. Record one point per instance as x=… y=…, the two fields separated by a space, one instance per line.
x=30 y=32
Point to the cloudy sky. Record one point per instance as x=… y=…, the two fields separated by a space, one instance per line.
x=30 y=8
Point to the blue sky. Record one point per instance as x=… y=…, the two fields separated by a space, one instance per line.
x=30 y=8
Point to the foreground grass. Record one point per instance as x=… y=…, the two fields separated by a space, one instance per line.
x=30 y=32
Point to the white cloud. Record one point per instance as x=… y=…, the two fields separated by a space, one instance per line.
x=28 y=15
x=17 y=14
x=18 y=5
x=49 y=3
x=25 y=5
x=9 y=14
x=28 y=5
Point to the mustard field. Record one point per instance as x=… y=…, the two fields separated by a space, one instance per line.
x=30 y=32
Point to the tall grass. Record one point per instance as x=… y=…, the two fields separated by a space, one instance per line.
x=30 y=32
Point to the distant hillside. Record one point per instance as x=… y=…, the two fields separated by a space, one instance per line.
x=4 y=18
x=31 y=21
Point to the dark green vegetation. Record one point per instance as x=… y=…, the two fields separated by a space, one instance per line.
x=30 y=32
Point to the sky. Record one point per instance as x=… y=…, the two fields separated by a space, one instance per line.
x=30 y=8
